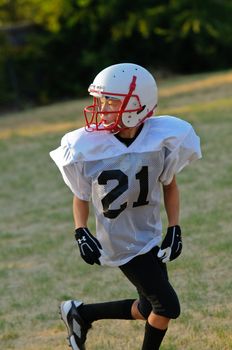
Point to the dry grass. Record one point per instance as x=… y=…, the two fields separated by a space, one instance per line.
x=39 y=265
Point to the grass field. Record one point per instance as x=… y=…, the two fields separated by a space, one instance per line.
x=40 y=265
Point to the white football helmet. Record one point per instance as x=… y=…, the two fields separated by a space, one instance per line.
x=133 y=85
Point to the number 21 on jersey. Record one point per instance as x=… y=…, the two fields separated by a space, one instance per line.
x=121 y=187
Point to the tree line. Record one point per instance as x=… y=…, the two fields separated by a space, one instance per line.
x=51 y=50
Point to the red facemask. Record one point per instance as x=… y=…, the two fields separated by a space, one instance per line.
x=93 y=113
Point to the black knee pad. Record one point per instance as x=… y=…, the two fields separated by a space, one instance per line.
x=175 y=313
x=170 y=308
x=174 y=309
x=144 y=307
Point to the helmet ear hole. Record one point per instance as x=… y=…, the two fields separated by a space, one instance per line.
x=142 y=109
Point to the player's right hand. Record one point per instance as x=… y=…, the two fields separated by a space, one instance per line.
x=89 y=246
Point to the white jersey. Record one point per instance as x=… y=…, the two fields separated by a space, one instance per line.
x=124 y=182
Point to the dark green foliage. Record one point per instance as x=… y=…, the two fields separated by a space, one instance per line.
x=58 y=56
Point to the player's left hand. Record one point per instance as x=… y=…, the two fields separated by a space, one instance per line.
x=171 y=246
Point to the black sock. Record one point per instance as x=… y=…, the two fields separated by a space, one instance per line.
x=110 y=310
x=153 y=337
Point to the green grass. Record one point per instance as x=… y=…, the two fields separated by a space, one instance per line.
x=40 y=265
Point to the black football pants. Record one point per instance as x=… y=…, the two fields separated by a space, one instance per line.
x=149 y=275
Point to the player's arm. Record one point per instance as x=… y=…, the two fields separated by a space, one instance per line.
x=88 y=245
x=172 y=244
x=80 y=212
x=172 y=202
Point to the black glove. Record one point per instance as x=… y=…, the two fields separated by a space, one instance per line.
x=171 y=246
x=88 y=245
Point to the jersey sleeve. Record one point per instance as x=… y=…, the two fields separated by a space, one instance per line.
x=72 y=171
x=180 y=155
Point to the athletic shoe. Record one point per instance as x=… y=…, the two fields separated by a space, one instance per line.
x=76 y=326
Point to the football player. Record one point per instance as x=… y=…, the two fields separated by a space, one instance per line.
x=124 y=160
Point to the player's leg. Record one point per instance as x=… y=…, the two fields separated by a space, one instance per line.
x=135 y=312
x=149 y=275
x=78 y=317
x=155 y=330
x=156 y=325
x=119 y=309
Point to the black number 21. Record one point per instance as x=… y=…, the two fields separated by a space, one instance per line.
x=122 y=186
